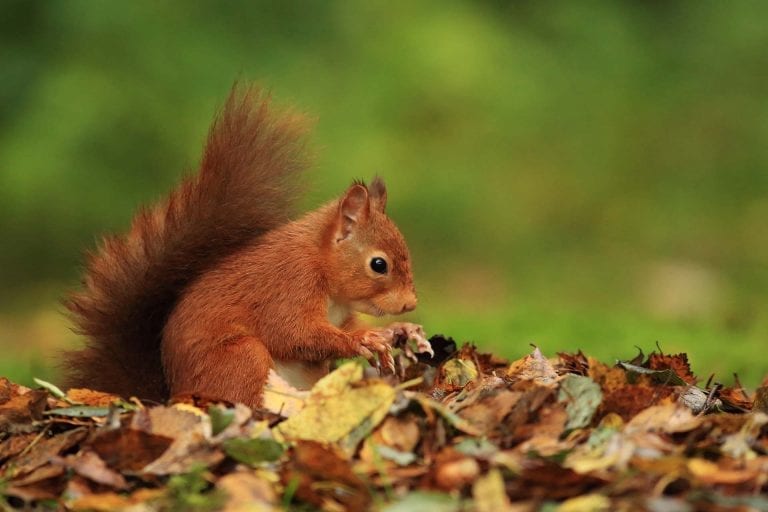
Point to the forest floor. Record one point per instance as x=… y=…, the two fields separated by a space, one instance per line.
x=461 y=431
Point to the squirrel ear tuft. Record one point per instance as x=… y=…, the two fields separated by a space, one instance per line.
x=378 y=194
x=353 y=210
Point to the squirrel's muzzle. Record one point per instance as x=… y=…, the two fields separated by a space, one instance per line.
x=409 y=304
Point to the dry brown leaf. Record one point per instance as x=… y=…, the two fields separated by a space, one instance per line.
x=89 y=465
x=628 y=400
x=21 y=409
x=44 y=450
x=91 y=397
x=38 y=475
x=14 y=445
x=110 y=501
x=324 y=475
x=543 y=436
x=488 y=411
x=190 y=431
x=573 y=363
x=454 y=470
x=610 y=378
x=534 y=367
x=669 y=418
x=678 y=363
x=128 y=449
x=761 y=400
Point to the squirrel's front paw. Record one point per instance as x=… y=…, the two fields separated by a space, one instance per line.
x=377 y=342
x=402 y=332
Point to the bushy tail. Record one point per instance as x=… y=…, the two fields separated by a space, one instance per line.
x=246 y=186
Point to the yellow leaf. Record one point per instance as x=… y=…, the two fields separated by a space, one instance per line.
x=489 y=493
x=335 y=409
x=586 y=503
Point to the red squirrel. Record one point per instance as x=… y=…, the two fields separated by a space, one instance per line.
x=213 y=287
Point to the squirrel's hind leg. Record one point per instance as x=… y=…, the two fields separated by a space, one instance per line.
x=234 y=370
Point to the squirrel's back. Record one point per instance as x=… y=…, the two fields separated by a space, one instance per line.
x=246 y=185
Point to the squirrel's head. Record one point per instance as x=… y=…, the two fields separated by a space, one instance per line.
x=370 y=260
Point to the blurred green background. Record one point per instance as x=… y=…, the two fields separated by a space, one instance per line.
x=585 y=175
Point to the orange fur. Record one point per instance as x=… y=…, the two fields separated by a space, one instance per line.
x=211 y=288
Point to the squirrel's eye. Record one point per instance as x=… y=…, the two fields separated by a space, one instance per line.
x=379 y=265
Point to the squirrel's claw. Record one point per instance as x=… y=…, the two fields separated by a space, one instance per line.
x=365 y=352
x=387 y=360
x=376 y=342
x=404 y=331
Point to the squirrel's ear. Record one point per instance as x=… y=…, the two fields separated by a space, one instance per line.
x=353 y=210
x=378 y=194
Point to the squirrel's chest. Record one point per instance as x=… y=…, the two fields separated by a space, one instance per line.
x=337 y=313
x=304 y=374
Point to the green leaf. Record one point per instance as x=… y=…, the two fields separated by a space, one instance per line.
x=459 y=372
x=52 y=389
x=424 y=502
x=253 y=451
x=476 y=447
x=396 y=456
x=221 y=418
x=583 y=397
x=666 y=376
x=79 y=411
x=451 y=417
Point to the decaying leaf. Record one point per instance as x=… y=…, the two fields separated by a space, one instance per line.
x=43 y=451
x=340 y=406
x=281 y=398
x=677 y=363
x=586 y=503
x=668 y=418
x=21 y=408
x=432 y=406
x=247 y=491
x=711 y=473
x=454 y=470
x=458 y=371
x=761 y=400
x=91 y=397
x=323 y=477
x=128 y=449
x=582 y=396
x=667 y=376
x=487 y=412
x=110 y=501
x=253 y=451
x=489 y=494
x=89 y=465
x=534 y=367
x=739 y=445
x=425 y=502
x=190 y=430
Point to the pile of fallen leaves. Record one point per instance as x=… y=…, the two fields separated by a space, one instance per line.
x=468 y=431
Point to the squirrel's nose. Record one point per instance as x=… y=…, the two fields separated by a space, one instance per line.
x=410 y=303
